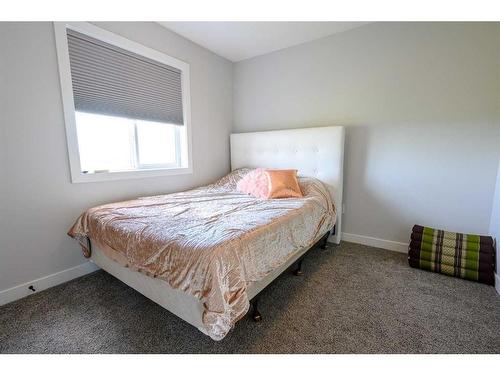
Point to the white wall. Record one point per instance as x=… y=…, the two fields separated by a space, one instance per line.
x=420 y=102
x=3 y=159
x=495 y=226
x=39 y=203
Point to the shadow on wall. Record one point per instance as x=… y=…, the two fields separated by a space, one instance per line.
x=396 y=176
x=368 y=212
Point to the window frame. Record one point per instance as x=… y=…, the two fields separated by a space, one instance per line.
x=143 y=166
x=69 y=105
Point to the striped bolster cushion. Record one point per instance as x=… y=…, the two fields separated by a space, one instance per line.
x=428 y=234
x=470 y=261
x=462 y=255
x=463 y=273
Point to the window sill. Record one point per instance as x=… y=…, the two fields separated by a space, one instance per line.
x=128 y=175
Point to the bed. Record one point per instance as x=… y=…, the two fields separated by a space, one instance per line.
x=204 y=254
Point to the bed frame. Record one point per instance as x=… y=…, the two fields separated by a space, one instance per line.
x=315 y=152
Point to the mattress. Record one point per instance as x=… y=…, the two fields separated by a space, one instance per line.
x=210 y=242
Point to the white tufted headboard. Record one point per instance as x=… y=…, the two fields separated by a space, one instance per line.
x=314 y=152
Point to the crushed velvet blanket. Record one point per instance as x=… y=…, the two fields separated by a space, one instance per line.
x=210 y=242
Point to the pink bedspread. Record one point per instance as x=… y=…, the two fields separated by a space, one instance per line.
x=210 y=242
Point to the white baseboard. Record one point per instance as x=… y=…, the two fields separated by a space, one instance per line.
x=400 y=247
x=497 y=283
x=20 y=291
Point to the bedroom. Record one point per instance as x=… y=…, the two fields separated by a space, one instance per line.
x=388 y=124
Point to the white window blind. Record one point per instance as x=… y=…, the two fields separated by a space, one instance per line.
x=109 y=80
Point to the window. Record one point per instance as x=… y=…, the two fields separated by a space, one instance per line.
x=126 y=106
x=107 y=143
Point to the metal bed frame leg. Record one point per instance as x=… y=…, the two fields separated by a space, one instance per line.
x=324 y=241
x=298 y=271
x=256 y=315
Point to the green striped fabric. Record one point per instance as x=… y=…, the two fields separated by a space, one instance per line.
x=428 y=234
x=466 y=256
x=450 y=260
x=469 y=245
x=473 y=255
x=450 y=270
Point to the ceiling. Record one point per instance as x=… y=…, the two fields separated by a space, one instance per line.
x=238 y=41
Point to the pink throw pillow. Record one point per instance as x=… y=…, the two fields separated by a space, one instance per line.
x=270 y=183
x=255 y=183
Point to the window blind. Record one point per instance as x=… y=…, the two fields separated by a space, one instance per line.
x=109 y=80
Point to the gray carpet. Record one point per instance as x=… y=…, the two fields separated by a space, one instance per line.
x=351 y=299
